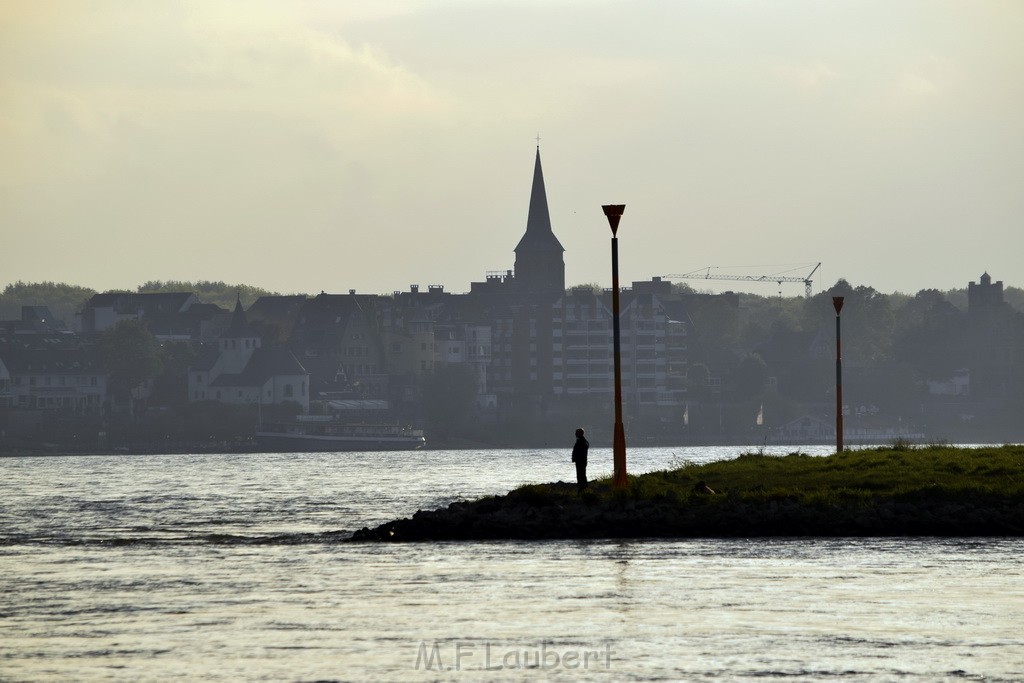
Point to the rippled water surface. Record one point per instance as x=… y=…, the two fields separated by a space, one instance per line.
x=231 y=567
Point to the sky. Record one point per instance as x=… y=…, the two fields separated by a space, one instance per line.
x=328 y=145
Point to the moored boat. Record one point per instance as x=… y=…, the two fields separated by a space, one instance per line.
x=325 y=433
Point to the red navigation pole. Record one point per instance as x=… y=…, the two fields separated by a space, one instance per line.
x=614 y=214
x=837 y=303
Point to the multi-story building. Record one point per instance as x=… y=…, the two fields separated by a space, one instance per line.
x=51 y=372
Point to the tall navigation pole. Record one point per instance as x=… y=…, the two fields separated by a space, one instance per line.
x=614 y=214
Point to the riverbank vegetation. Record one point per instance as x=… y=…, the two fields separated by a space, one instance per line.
x=895 y=490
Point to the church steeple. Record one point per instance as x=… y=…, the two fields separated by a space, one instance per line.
x=239 y=327
x=540 y=267
x=538 y=221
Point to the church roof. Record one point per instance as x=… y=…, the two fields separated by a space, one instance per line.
x=262 y=365
x=538 y=234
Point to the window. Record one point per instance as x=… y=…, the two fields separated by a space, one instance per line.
x=288 y=390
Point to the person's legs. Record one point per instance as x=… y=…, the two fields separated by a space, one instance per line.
x=581 y=477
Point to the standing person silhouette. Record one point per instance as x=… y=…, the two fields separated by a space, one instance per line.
x=579 y=456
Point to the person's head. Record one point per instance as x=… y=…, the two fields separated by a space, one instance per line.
x=579 y=433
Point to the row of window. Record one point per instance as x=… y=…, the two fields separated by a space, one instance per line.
x=58 y=401
x=226 y=344
x=288 y=391
x=59 y=381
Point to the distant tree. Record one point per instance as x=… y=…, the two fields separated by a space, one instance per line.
x=63 y=300
x=935 y=344
x=769 y=312
x=868 y=321
x=957 y=297
x=809 y=381
x=170 y=386
x=588 y=288
x=715 y=322
x=209 y=292
x=751 y=376
x=1015 y=297
x=697 y=379
x=131 y=355
x=914 y=310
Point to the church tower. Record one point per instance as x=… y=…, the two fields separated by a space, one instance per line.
x=539 y=267
x=238 y=342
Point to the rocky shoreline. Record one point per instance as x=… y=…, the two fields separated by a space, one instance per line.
x=522 y=516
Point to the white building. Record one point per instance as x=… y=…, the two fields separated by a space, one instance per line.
x=239 y=370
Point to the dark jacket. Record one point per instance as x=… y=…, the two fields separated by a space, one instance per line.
x=579 y=450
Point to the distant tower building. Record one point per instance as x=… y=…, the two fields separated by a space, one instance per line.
x=992 y=347
x=984 y=299
x=539 y=267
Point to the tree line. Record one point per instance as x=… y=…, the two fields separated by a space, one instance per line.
x=65 y=300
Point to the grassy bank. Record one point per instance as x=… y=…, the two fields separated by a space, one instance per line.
x=851 y=475
x=885 y=491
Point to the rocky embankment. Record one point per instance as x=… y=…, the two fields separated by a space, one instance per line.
x=520 y=515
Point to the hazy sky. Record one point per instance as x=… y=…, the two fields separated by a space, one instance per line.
x=327 y=145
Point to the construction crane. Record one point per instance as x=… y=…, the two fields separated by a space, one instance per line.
x=706 y=274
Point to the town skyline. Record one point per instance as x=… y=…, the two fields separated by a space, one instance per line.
x=303 y=147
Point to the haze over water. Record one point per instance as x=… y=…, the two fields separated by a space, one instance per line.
x=229 y=567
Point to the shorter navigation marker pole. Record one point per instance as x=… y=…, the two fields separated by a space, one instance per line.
x=614 y=214
x=837 y=303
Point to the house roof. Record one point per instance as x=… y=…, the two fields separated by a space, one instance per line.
x=322 y=321
x=276 y=310
x=262 y=366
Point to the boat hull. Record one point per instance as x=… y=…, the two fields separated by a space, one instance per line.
x=300 y=443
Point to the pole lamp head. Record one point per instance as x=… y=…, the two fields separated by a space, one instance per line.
x=614 y=213
x=837 y=303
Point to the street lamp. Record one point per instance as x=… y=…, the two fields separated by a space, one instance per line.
x=837 y=303
x=614 y=214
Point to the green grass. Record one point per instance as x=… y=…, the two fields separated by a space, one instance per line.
x=889 y=472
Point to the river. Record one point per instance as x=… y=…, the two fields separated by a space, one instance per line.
x=232 y=568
